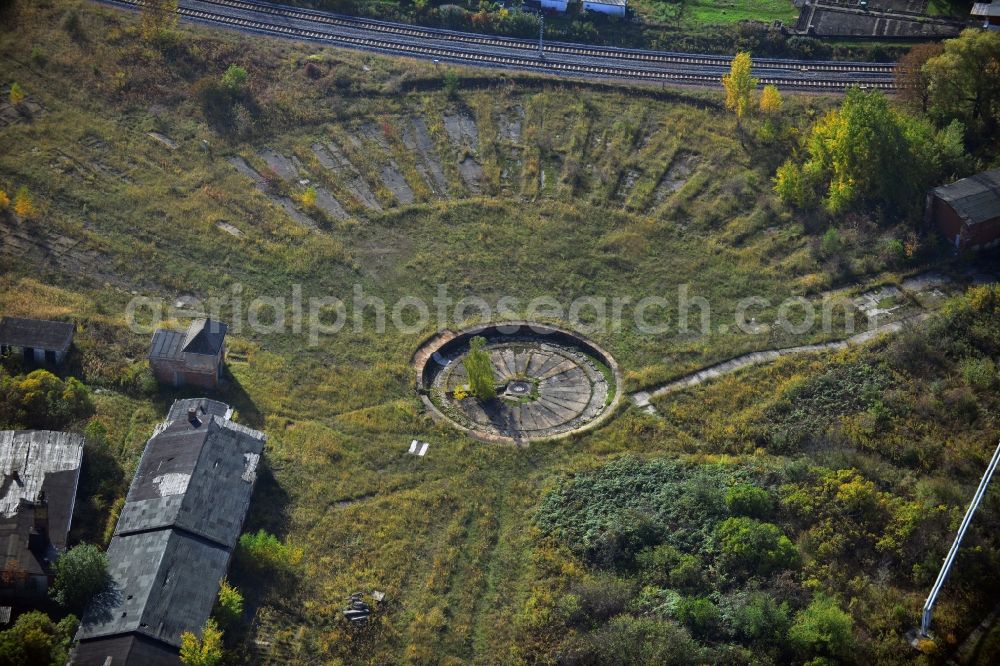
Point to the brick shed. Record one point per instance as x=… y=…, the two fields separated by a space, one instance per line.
x=189 y=358
x=968 y=211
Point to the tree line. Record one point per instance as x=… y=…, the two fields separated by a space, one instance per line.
x=880 y=157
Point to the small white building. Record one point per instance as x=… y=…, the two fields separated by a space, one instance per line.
x=555 y=5
x=609 y=7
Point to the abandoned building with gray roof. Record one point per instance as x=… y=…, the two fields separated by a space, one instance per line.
x=38 y=341
x=968 y=210
x=41 y=472
x=189 y=358
x=175 y=537
x=990 y=13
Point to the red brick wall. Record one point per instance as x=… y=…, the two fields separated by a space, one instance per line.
x=168 y=372
x=972 y=238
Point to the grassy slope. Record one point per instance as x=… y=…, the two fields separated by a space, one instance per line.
x=702 y=13
x=445 y=536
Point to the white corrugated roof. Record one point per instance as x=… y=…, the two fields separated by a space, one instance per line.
x=986 y=9
x=32 y=455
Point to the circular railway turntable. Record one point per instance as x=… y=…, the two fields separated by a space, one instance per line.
x=550 y=382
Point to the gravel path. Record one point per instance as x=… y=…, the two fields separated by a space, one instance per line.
x=642 y=398
x=924 y=289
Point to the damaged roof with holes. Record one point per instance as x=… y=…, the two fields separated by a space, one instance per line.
x=975 y=199
x=175 y=535
x=37 y=462
x=194 y=476
x=179 y=410
x=36 y=333
x=166 y=582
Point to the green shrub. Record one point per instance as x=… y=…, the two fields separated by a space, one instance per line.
x=262 y=550
x=235 y=79
x=137 y=379
x=700 y=616
x=979 y=373
x=227 y=103
x=756 y=616
x=17 y=93
x=610 y=515
x=35 y=640
x=451 y=83
x=656 y=562
x=831 y=244
x=229 y=605
x=598 y=599
x=893 y=251
x=749 y=500
x=688 y=573
x=81 y=573
x=751 y=547
x=632 y=641
x=822 y=630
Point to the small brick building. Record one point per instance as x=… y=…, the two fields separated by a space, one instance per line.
x=968 y=211
x=189 y=358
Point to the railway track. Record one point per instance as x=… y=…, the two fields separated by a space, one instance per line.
x=499 y=52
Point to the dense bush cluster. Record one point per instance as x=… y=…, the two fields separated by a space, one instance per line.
x=779 y=562
x=904 y=429
x=80 y=574
x=35 y=640
x=872 y=157
x=695 y=555
x=868 y=155
x=42 y=400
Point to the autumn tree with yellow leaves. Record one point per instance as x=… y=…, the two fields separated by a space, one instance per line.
x=17 y=94
x=770 y=107
x=739 y=84
x=204 y=651
x=770 y=100
x=24 y=207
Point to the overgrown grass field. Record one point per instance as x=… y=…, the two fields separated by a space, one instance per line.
x=703 y=13
x=579 y=192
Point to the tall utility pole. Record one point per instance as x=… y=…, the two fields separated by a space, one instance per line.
x=925 y=621
x=541 y=31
